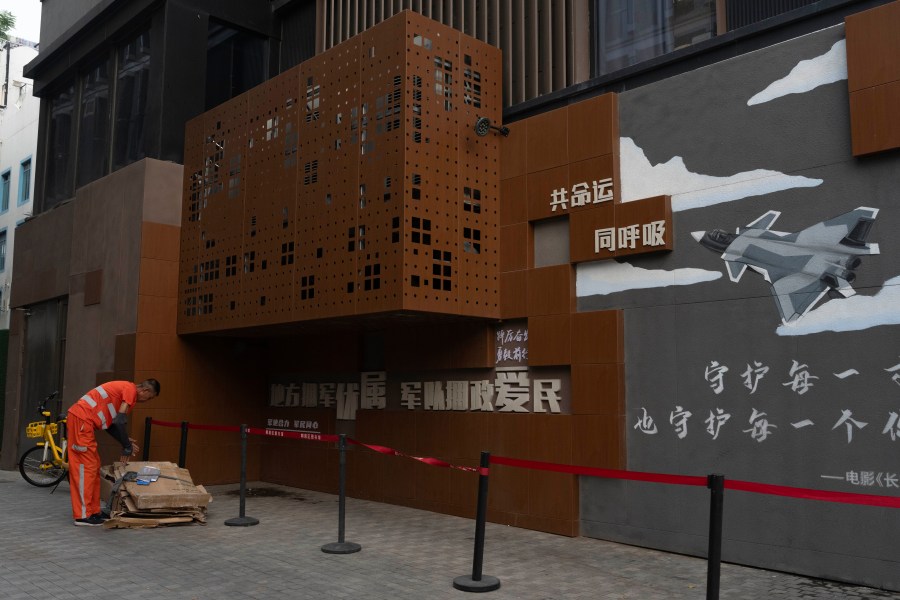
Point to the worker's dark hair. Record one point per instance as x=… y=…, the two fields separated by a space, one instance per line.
x=151 y=384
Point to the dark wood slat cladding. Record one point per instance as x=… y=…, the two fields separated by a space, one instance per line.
x=873 y=78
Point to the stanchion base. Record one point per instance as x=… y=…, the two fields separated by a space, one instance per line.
x=242 y=521
x=488 y=583
x=341 y=548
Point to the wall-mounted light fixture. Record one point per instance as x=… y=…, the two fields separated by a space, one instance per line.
x=483 y=127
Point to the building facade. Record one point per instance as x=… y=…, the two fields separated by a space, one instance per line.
x=647 y=247
x=18 y=132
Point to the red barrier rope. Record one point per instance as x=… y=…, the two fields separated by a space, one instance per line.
x=731 y=484
x=434 y=462
x=809 y=494
x=215 y=427
x=597 y=472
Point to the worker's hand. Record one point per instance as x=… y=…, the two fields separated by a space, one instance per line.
x=134 y=450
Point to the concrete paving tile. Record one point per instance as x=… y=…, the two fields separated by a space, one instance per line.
x=407 y=555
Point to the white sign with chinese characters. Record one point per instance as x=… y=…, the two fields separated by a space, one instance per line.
x=629 y=237
x=509 y=389
x=582 y=194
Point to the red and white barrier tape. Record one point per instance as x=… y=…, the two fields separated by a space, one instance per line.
x=731 y=484
x=434 y=462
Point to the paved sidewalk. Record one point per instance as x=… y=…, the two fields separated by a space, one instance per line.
x=407 y=554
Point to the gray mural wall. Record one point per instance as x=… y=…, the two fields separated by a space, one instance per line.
x=757 y=354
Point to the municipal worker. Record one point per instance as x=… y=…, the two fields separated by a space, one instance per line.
x=104 y=407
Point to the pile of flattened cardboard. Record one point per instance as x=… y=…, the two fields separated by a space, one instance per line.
x=151 y=494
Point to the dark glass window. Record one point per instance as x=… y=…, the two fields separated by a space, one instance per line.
x=628 y=32
x=740 y=13
x=3 y=250
x=93 y=134
x=298 y=35
x=4 y=191
x=60 y=158
x=25 y=181
x=132 y=81
x=235 y=62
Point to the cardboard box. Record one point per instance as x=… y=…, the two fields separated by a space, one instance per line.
x=158 y=493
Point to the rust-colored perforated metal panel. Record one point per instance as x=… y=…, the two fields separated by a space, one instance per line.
x=328 y=193
x=381 y=157
x=479 y=171
x=213 y=202
x=452 y=256
x=259 y=277
x=353 y=184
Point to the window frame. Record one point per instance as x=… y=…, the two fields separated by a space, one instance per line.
x=25 y=181
x=4 y=246
x=5 y=189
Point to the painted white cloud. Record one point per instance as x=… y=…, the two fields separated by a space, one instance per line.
x=607 y=277
x=808 y=75
x=851 y=314
x=640 y=179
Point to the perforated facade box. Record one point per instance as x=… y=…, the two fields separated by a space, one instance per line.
x=352 y=185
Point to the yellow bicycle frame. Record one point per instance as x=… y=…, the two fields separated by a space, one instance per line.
x=49 y=443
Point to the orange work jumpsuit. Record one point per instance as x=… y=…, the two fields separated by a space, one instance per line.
x=97 y=409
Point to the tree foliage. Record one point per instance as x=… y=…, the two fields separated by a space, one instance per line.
x=7 y=22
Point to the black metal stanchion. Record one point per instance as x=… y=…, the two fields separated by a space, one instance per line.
x=182 y=449
x=148 y=426
x=478 y=582
x=716 y=485
x=340 y=546
x=243 y=520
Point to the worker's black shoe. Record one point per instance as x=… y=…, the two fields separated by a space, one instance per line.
x=92 y=521
x=100 y=516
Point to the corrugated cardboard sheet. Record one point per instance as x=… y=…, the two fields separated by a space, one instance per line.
x=172 y=498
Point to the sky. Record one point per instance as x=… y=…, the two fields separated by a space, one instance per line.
x=28 y=18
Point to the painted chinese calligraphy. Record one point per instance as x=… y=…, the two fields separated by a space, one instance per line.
x=715 y=421
x=800 y=381
x=512 y=345
x=761 y=426
x=867 y=479
x=714 y=374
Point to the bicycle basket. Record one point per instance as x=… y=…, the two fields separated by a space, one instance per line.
x=35 y=429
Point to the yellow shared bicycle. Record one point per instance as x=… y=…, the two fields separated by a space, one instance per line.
x=47 y=463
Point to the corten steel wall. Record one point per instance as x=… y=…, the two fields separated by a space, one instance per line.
x=541 y=246
x=287 y=199
x=353 y=184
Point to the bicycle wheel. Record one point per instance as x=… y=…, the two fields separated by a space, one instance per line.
x=40 y=472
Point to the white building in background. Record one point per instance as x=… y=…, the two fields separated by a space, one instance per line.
x=18 y=142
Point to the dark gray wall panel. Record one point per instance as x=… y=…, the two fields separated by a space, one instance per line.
x=674 y=333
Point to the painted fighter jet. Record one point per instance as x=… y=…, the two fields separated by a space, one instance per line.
x=801 y=267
